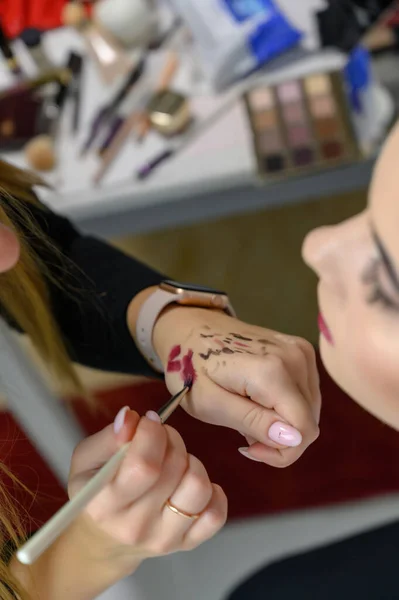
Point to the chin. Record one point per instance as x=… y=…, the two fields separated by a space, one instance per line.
x=327 y=358
x=338 y=375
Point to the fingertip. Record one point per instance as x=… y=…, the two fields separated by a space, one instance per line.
x=246 y=452
x=125 y=424
x=120 y=419
x=285 y=435
x=153 y=416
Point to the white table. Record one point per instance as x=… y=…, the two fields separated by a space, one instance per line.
x=214 y=177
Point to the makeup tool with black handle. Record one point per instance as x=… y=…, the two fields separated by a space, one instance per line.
x=35 y=547
x=9 y=56
x=107 y=112
x=75 y=64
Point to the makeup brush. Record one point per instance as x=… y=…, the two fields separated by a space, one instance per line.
x=109 y=110
x=109 y=155
x=47 y=535
x=9 y=56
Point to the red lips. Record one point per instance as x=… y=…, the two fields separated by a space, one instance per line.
x=324 y=330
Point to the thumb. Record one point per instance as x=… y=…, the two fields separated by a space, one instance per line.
x=93 y=452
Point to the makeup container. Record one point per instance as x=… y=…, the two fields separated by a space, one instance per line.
x=235 y=38
x=169 y=113
x=302 y=125
x=166 y=78
x=133 y=23
x=32 y=38
x=19 y=119
x=57 y=76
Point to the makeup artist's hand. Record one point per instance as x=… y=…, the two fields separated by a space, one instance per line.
x=129 y=519
x=261 y=383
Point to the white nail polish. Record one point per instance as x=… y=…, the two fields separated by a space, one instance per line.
x=153 y=416
x=244 y=452
x=120 y=419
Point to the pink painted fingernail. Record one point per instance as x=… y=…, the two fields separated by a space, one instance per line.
x=153 y=416
x=285 y=435
x=120 y=419
x=244 y=452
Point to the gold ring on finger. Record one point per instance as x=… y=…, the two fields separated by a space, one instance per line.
x=182 y=513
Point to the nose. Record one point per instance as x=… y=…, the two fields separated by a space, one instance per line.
x=327 y=250
x=9 y=249
x=318 y=250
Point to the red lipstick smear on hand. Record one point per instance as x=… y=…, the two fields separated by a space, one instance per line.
x=174 y=366
x=241 y=345
x=324 y=329
x=184 y=366
x=189 y=375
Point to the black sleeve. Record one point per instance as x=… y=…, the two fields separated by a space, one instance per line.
x=98 y=283
x=364 y=566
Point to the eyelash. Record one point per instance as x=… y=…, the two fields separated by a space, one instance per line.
x=377 y=295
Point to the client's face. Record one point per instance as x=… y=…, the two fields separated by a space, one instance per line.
x=358 y=266
x=9 y=249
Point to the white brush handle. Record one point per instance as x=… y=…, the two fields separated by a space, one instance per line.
x=30 y=551
x=47 y=535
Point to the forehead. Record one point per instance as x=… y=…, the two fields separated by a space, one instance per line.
x=384 y=194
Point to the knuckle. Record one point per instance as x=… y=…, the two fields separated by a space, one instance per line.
x=308 y=352
x=274 y=365
x=254 y=420
x=315 y=433
x=100 y=509
x=147 y=472
x=161 y=547
x=304 y=344
x=175 y=437
x=76 y=457
x=286 y=459
x=199 y=484
x=178 y=462
x=216 y=518
x=131 y=536
x=309 y=349
x=311 y=432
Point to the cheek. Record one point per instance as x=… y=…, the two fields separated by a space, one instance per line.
x=9 y=249
x=368 y=366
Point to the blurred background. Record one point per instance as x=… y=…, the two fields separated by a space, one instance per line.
x=207 y=138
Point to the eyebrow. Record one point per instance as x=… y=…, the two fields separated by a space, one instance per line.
x=386 y=259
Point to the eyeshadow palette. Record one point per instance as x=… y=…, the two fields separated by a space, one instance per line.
x=302 y=124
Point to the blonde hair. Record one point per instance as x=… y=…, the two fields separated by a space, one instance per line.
x=24 y=298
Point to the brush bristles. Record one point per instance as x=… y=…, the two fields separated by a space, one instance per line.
x=188 y=382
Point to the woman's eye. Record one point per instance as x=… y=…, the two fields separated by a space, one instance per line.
x=377 y=294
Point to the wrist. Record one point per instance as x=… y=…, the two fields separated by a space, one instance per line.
x=170 y=327
x=175 y=324
x=135 y=306
x=81 y=564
